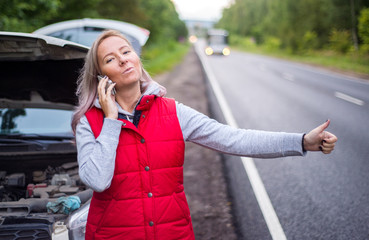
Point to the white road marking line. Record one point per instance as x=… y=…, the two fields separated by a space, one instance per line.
x=266 y=207
x=288 y=77
x=349 y=98
x=262 y=197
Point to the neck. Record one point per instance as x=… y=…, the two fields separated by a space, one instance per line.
x=128 y=98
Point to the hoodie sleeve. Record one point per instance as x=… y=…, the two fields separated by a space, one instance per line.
x=200 y=129
x=96 y=157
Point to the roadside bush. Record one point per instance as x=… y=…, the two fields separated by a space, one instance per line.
x=163 y=56
x=364 y=49
x=257 y=34
x=309 y=41
x=243 y=42
x=272 y=43
x=154 y=50
x=340 y=41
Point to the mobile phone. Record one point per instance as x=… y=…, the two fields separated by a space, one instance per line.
x=113 y=91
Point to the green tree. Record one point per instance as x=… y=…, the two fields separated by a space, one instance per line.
x=292 y=21
x=26 y=15
x=364 y=25
x=364 y=28
x=75 y=9
x=158 y=16
x=124 y=10
x=162 y=20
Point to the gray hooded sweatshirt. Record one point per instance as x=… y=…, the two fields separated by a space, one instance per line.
x=96 y=157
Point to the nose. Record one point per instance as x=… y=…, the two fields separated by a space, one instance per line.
x=122 y=60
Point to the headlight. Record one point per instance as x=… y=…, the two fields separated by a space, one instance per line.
x=193 y=39
x=209 y=51
x=76 y=223
x=226 y=51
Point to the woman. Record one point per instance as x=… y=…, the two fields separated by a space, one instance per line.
x=131 y=146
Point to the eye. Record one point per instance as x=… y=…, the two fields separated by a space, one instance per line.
x=109 y=60
x=126 y=52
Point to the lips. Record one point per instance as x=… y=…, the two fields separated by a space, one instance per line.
x=128 y=70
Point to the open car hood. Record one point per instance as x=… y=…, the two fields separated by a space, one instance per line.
x=37 y=70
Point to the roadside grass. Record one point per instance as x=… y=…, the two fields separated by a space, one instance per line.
x=159 y=58
x=353 y=63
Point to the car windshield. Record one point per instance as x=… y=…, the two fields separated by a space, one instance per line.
x=85 y=36
x=35 y=121
x=217 y=39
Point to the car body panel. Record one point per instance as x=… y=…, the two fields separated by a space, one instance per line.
x=86 y=30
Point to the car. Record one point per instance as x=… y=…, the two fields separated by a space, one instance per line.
x=85 y=31
x=217 y=42
x=38 y=156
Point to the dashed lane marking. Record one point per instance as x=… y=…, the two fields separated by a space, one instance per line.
x=288 y=76
x=349 y=98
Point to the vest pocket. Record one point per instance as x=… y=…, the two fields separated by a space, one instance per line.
x=107 y=211
x=181 y=201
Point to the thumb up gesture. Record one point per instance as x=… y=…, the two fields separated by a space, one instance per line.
x=320 y=140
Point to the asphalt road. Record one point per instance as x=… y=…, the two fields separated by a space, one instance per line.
x=317 y=196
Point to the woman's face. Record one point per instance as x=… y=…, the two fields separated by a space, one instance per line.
x=119 y=61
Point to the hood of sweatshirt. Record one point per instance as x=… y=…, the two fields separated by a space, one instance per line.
x=151 y=88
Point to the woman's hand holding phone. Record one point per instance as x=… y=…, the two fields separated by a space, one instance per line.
x=109 y=82
x=107 y=98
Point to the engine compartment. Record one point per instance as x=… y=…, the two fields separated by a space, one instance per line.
x=52 y=182
x=27 y=188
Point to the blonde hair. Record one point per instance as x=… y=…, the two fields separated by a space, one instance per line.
x=87 y=80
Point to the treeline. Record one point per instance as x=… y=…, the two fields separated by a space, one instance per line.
x=158 y=16
x=339 y=25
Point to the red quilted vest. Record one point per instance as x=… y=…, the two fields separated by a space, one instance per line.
x=146 y=198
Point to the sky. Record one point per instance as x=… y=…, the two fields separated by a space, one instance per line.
x=200 y=9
